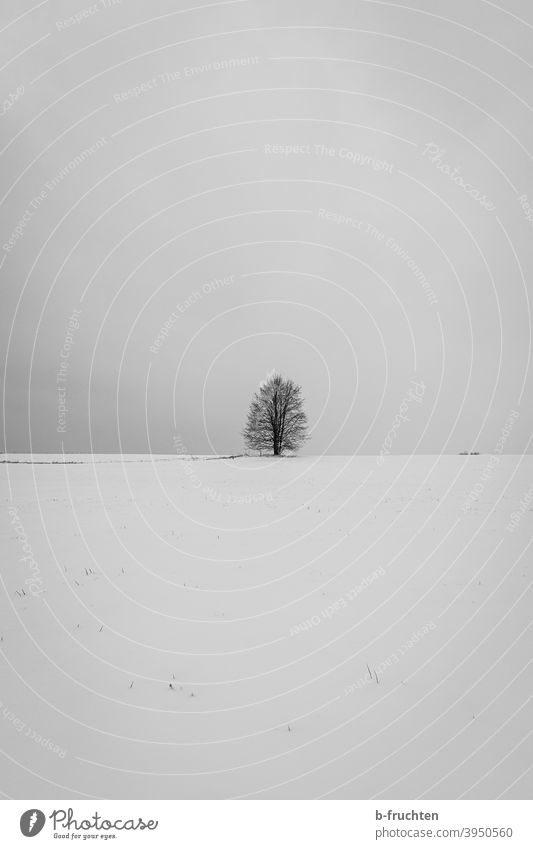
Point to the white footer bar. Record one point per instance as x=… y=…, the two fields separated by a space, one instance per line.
x=268 y=824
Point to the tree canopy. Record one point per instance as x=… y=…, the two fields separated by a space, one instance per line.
x=276 y=419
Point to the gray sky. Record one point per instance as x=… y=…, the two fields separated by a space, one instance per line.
x=355 y=175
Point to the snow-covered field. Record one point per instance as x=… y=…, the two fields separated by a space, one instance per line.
x=289 y=628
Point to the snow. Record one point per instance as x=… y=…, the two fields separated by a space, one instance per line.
x=162 y=652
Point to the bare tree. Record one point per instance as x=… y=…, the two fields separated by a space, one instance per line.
x=276 y=419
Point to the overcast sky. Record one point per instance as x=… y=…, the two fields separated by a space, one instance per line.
x=338 y=191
